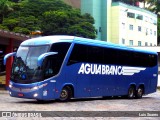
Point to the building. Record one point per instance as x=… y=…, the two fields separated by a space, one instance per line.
x=121 y=23
x=99 y=10
x=136 y=26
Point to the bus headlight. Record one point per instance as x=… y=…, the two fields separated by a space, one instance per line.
x=35 y=95
x=10 y=86
x=35 y=88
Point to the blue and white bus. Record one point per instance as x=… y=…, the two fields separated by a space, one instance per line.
x=64 y=67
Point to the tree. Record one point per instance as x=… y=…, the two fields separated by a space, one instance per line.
x=51 y=17
x=133 y=2
x=154 y=6
x=5 y=6
x=83 y=29
x=30 y=23
x=68 y=23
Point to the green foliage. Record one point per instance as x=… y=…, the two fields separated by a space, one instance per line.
x=4 y=9
x=3 y=27
x=84 y=29
x=154 y=6
x=21 y=30
x=31 y=23
x=51 y=17
x=10 y=23
x=68 y=23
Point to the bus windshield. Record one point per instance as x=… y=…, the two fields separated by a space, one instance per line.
x=25 y=68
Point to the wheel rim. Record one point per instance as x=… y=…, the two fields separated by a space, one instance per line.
x=140 y=92
x=64 y=94
x=131 y=93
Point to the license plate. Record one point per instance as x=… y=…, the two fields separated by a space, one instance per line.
x=20 y=95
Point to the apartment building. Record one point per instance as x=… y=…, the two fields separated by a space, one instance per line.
x=122 y=23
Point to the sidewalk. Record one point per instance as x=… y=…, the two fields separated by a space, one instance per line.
x=3 y=89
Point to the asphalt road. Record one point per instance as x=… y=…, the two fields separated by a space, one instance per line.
x=149 y=102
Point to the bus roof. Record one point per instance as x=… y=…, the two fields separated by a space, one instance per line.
x=47 y=40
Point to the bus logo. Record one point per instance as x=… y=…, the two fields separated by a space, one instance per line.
x=108 y=70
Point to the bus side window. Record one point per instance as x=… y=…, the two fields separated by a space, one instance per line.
x=95 y=54
x=61 y=49
x=110 y=56
x=78 y=54
x=48 y=71
x=152 y=60
x=52 y=67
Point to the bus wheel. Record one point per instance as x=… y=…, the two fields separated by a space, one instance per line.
x=131 y=92
x=66 y=94
x=139 y=92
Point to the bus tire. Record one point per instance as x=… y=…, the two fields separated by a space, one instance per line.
x=139 y=92
x=131 y=92
x=66 y=94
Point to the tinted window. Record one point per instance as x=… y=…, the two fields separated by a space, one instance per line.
x=79 y=54
x=83 y=53
x=53 y=63
x=95 y=54
x=92 y=54
x=130 y=15
x=110 y=56
x=61 y=48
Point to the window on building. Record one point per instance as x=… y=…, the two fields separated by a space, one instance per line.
x=151 y=21
x=131 y=15
x=155 y=33
x=146 y=19
x=140 y=17
x=146 y=44
x=123 y=41
x=147 y=31
x=131 y=42
x=123 y=25
x=150 y=44
x=139 y=28
x=100 y=29
x=96 y=32
x=155 y=22
x=139 y=43
x=151 y=31
x=130 y=27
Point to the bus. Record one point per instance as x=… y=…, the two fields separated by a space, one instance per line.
x=65 y=67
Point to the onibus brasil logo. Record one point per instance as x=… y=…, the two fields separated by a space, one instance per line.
x=108 y=70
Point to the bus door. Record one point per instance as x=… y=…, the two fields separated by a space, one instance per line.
x=51 y=68
x=49 y=89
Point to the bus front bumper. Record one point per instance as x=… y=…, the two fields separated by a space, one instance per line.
x=33 y=91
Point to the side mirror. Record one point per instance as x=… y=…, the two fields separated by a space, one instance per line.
x=43 y=56
x=7 y=56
